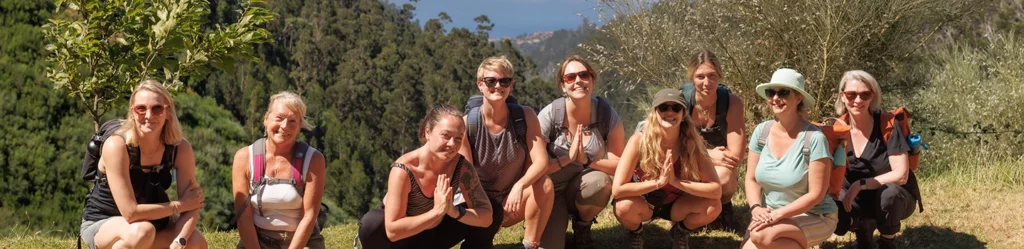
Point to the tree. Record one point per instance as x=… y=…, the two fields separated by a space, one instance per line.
x=99 y=49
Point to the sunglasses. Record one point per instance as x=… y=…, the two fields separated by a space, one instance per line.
x=156 y=110
x=491 y=82
x=571 y=77
x=865 y=96
x=666 y=107
x=782 y=93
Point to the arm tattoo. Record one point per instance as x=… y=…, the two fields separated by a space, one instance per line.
x=473 y=192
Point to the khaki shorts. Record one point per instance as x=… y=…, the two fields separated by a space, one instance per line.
x=816 y=227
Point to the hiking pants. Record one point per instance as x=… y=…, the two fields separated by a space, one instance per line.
x=574 y=186
x=886 y=205
x=445 y=235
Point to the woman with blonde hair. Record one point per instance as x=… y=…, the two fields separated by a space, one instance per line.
x=879 y=189
x=788 y=170
x=718 y=115
x=128 y=206
x=665 y=172
x=278 y=182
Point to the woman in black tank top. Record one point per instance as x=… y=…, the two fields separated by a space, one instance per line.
x=879 y=189
x=128 y=205
x=421 y=209
x=718 y=115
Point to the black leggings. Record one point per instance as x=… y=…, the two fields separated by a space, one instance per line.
x=445 y=235
x=886 y=205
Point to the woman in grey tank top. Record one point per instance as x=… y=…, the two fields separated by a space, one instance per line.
x=581 y=130
x=500 y=153
x=412 y=219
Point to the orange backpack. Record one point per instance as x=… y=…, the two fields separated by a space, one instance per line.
x=837 y=133
x=889 y=120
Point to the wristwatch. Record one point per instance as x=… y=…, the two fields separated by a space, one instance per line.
x=462 y=212
x=590 y=159
x=863 y=182
x=181 y=241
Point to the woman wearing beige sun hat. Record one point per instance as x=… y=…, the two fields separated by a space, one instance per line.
x=786 y=184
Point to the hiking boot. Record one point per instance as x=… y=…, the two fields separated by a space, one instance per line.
x=680 y=236
x=864 y=231
x=581 y=234
x=727 y=219
x=636 y=238
x=884 y=243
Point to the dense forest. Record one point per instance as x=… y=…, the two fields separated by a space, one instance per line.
x=369 y=71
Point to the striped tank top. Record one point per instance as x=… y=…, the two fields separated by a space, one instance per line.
x=417 y=203
x=499 y=159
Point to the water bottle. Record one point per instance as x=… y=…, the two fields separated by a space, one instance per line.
x=916 y=146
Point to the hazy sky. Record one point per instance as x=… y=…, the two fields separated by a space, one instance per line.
x=510 y=17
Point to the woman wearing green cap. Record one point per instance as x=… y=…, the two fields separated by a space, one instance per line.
x=788 y=170
x=665 y=172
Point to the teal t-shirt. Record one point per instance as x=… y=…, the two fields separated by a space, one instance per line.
x=784 y=180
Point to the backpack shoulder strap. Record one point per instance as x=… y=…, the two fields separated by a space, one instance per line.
x=257 y=159
x=557 y=118
x=472 y=124
x=806 y=150
x=762 y=139
x=515 y=112
x=604 y=115
x=299 y=161
x=722 y=103
x=689 y=94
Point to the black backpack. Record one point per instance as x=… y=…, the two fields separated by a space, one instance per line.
x=94 y=148
x=721 y=104
x=515 y=112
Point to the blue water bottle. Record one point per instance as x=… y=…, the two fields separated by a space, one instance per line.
x=916 y=146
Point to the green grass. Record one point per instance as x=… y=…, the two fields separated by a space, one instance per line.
x=967 y=207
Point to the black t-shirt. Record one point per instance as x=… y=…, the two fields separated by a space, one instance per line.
x=874 y=160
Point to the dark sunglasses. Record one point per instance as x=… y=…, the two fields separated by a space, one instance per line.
x=571 y=77
x=782 y=93
x=491 y=82
x=155 y=109
x=674 y=107
x=851 y=95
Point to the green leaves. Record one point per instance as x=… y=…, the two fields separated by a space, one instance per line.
x=99 y=52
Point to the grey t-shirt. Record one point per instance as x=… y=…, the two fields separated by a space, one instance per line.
x=595 y=146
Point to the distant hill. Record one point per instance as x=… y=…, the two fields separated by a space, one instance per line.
x=548 y=48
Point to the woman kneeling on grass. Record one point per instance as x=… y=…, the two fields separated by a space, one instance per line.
x=410 y=218
x=682 y=188
x=785 y=185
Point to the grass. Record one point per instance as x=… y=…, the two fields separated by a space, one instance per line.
x=959 y=213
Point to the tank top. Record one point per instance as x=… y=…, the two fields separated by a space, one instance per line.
x=716 y=134
x=417 y=203
x=281 y=205
x=499 y=159
x=149 y=187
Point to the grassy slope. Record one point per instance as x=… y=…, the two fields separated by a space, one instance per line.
x=959 y=214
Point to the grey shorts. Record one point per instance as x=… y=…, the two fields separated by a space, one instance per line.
x=88 y=231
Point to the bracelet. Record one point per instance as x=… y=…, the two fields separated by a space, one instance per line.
x=752 y=207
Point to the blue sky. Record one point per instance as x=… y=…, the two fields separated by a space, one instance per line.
x=510 y=17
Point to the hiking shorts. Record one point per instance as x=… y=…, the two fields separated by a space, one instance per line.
x=88 y=231
x=816 y=227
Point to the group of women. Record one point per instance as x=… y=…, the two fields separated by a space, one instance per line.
x=500 y=164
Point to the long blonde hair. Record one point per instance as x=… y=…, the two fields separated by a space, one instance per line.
x=170 y=134
x=652 y=155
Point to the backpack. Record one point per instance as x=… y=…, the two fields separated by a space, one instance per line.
x=837 y=133
x=515 y=112
x=690 y=92
x=302 y=153
x=603 y=114
x=889 y=121
x=94 y=148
